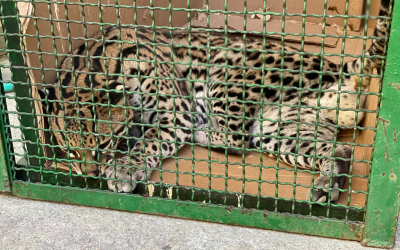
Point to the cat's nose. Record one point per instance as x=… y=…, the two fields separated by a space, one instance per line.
x=94 y=173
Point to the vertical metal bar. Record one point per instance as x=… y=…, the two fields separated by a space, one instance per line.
x=384 y=188
x=5 y=174
x=12 y=29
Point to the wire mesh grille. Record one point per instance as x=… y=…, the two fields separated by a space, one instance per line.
x=50 y=30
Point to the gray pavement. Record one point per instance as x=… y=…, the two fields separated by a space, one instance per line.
x=28 y=224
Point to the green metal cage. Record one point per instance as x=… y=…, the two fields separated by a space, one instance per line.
x=39 y=33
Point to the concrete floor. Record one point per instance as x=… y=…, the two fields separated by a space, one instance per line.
x=28 y=224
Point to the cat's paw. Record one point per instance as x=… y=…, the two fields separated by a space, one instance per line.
x=321 y=190
x=123 y=179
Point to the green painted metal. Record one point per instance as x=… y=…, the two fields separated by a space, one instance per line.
x=198 y=211
x=198 y=195
x=384 y=188
x=12 y=26
x=5 y=180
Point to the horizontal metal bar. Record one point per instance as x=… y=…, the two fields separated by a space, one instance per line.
x=192 y=210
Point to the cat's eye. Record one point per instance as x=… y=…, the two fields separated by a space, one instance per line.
x=74 y=154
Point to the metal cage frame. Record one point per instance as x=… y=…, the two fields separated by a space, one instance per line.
x=379 y=221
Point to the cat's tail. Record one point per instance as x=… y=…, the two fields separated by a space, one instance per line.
x=373 y=57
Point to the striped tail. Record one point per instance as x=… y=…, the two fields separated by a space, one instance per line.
x=378 y=45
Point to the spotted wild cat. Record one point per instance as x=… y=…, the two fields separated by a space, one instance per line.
x=142 y=76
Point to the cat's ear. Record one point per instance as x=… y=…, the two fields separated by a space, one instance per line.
x=47 y=94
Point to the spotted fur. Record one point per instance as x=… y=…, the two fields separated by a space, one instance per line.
x=98 y=102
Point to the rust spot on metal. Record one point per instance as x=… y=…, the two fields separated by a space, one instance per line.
x=7 y=184
x=384 y=122
x=67 y=201
x=393 y=177
x=386 y=155
x=359 y=236
x=383 y=174
x=227 y=209
x=395 y=85
x=265 y=215
x=353 y=227
x=394 y=135
x=245 y=212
